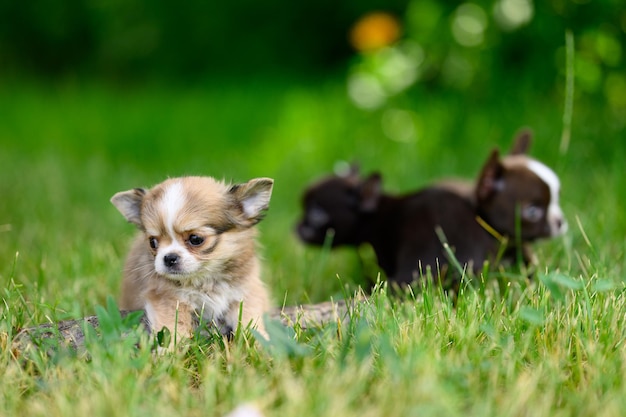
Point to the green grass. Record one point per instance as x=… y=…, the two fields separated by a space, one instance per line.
x=551 y=347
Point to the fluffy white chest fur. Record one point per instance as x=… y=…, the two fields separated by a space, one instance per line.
x=210 y=304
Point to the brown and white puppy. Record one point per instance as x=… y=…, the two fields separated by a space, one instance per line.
x=514 y=188
x=195 y=258
x=520 y=185
x=476 y=220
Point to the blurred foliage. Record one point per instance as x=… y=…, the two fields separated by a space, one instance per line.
x=464 y=43
x=486 y=47
x=137 y=38
x=491 y=53
x=482 y=48
x=450 y=44
x=396 y=53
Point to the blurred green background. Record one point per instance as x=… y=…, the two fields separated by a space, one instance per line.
x=102 y=96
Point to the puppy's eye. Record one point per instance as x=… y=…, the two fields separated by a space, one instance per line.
x=195 y=240
x=532 y=213
x=154 y=243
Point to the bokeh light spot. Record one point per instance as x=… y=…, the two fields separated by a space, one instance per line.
x=469 y=24
x=588 y=74
x=366 y=91
x=399 y=65
x=512 y=14
x=608 y=48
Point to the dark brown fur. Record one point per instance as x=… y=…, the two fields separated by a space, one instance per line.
x=401 y=229
x=478 y=221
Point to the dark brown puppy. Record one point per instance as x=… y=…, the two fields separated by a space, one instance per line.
x=511 y=194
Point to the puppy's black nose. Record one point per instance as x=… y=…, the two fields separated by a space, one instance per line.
x=171 y=259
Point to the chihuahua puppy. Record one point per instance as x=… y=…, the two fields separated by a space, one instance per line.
x=514 y=193
x=195 y=256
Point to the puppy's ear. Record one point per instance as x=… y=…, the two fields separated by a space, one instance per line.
x=491 y=177
x=352 y=174
x=521 y=142
x=343 y=169
x=253 y=198
x=371 y=189
x=129 y=204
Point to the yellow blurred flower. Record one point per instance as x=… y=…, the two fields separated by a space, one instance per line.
x=374 y=31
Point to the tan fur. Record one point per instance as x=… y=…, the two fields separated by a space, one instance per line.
x=213 y=279
x=460 y=186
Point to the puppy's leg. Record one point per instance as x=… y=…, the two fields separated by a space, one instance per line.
x=529 y=259
x=252 y=309
x=254 y=315
x=163 y=311
x=528 y=255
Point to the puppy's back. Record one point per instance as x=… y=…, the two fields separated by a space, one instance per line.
x=421 y=245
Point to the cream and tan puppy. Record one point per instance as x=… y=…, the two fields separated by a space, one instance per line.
x=195 y=258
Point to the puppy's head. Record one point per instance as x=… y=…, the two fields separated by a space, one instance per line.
x=194 y=225
x=517 y=186
x=337 y=205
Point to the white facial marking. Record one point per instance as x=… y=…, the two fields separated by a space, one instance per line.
x=556 y=220
x=172 y=202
